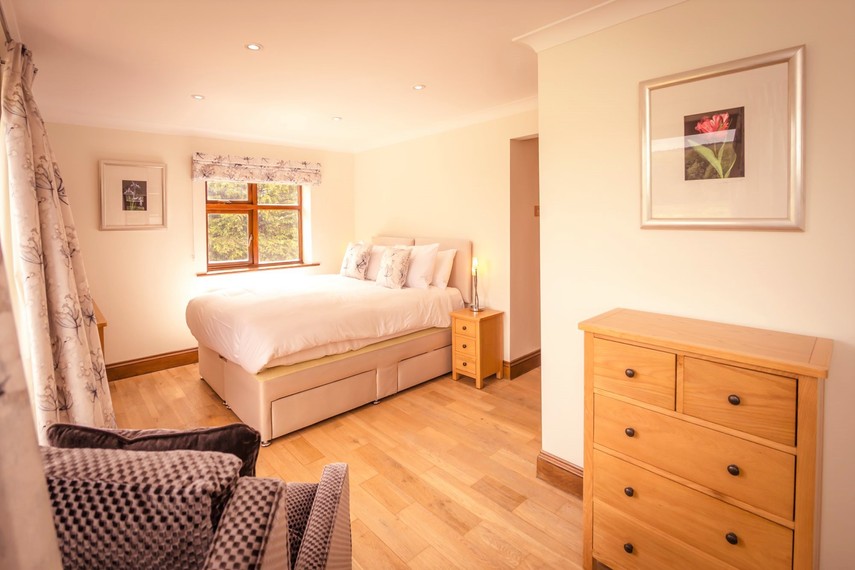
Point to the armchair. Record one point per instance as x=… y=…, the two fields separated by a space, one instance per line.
x=147 y=501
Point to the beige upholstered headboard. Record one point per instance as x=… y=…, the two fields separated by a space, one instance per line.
x=461 y=271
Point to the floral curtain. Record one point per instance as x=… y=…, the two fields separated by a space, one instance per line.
x=55 y=313
x=248 y=169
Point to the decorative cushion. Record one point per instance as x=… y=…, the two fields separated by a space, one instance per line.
x=137 y=509
x=422 y=262
x=355 y=260
x=393 y=268
x=374 y=262
x=238 y=439
x=442 y=269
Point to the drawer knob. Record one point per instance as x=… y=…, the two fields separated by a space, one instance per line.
x=628 y=548
x=629 y=491
x=630 y=373
x=731 y=538
x=464 y=364
x=630 y=432
x=464 y=327
x=464 y=346
x=733 y=469
x=734 y=399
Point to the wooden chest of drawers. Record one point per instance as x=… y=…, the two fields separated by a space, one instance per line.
x=702 y=444
x=477 y=344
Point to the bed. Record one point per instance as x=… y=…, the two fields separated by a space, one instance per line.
x=282 y=386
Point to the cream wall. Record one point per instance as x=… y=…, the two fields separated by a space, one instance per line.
x=802 y=282
x=142 y=279
x=453 y=184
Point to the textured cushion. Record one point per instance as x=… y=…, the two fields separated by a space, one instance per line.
x=422 y=262
x=442 y=269
x=355 y=260
x=327 y=539
x=133 y=509
x=393 y=268
x=374 y=262
x=253 y=532
x=237 y=439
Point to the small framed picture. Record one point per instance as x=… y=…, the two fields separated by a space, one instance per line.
x=722 y=146
x=133 y=195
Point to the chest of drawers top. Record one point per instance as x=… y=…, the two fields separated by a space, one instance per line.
x=778 y=351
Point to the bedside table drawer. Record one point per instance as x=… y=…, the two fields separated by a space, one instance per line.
x=465 y=328
x=464 y=364
x=691 y=516
x=639 y=373
x=763 y=477
x=464 y=345
x=750 y=401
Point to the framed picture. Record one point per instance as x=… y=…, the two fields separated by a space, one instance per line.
x=133 y=195
x=721 y=147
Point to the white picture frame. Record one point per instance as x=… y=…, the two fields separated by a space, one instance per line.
x=758 y=104
x=133 y=195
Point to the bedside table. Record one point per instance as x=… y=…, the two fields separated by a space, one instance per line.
x=477 y=340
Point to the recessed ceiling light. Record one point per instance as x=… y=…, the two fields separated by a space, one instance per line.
x=419 y=87
x=336 y=118
x=254 y=47
x=198 y=97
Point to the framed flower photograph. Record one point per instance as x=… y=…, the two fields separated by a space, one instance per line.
x=133 y=195
x=722 y=146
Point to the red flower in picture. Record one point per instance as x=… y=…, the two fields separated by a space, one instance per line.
x=713 y=124
x=713 y=143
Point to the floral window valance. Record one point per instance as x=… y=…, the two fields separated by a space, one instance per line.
x=248 y=169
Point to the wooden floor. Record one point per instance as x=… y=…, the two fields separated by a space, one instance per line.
x=442 y=475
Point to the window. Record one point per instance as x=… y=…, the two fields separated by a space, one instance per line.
x=253 y=225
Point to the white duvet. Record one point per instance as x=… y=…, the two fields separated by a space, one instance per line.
x=311 y=317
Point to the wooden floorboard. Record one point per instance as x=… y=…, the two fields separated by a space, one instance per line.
x=442 y=475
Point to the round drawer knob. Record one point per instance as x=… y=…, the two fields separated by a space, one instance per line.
x=464 y=327
x=734 y=399
x=629 y=491
x=630 y=432
x=464 y=364
x=733 y=469
x=630 y=373
x=464 y=346
x=628 y=548
x=731 y=538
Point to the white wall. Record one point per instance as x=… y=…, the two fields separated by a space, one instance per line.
x=142 y=279
x=453 y=184
x=525 y=248
x=598 y=258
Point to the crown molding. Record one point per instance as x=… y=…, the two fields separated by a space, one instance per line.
x=594 y=19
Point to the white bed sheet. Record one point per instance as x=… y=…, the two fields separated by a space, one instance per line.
x=311 y=317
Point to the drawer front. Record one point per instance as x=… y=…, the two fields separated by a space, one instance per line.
x=691 y=516
x=747 y=400
x=639 y=373
x=465 y=328
x=465 y=365
x=624 y=543
x=764 y=477
x=465 y=345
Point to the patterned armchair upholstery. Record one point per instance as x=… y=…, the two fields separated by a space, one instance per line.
x=187 y=509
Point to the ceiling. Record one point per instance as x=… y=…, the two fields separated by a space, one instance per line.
x=134 y=64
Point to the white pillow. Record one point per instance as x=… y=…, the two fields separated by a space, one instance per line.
x=355 y=260
x=393 y=267
x=442 y=269
x=422 y=262
x=374 y=262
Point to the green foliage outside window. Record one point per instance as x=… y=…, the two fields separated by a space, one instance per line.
x=232 y=207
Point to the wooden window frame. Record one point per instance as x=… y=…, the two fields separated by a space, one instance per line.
x=252 y=207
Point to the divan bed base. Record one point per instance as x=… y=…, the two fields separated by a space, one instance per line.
x=284 y=399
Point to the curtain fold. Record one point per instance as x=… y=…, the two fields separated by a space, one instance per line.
x=63 y=361
x=249 y=169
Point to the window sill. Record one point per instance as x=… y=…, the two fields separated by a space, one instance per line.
x=255 y=268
